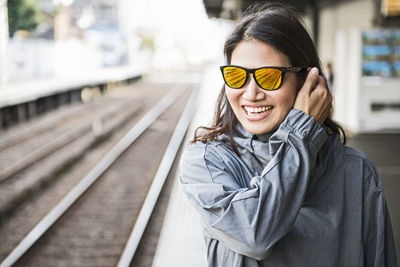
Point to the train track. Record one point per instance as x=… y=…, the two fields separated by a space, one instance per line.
x=21 y=149
x=91 y=224
x=34 y=155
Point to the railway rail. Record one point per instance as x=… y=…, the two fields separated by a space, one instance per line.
x=61 y=138
x=91 y=224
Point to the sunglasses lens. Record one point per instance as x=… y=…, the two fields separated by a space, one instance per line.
x=234 y=77
x=269 y=78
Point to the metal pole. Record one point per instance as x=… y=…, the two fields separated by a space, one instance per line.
x=3 y=40
x=315 y=19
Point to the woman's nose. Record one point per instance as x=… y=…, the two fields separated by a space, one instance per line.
x=252 y=91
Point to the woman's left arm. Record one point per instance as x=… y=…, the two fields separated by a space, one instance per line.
x=379 y=248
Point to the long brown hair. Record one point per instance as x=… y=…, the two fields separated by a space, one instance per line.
x=277 y=25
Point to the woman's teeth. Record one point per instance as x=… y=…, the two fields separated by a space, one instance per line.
x=257 y=110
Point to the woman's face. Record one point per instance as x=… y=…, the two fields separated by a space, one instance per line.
x=258 y=110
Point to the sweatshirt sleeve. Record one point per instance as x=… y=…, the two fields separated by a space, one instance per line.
x=250 y=221
x=378 y=243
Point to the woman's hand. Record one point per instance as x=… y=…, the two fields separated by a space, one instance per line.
x=314 y=97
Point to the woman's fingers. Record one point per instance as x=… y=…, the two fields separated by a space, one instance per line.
x=314 y=97
x=311 y=79
x=320 y=101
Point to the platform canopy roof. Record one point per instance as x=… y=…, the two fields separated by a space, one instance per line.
x=233 y=8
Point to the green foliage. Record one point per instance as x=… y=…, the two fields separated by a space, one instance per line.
x=23 y=15
x=148 y=42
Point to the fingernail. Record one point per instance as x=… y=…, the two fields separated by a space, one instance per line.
x=314 y=71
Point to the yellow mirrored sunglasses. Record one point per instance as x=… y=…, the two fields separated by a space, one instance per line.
x=268 y=78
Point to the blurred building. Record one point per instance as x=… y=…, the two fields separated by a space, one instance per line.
x=75 y=36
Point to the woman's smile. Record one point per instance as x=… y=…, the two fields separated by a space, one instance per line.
x=255 y=113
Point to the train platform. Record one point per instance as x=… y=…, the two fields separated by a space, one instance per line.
x=20 y=92
x=21 y=101
x=181 y=243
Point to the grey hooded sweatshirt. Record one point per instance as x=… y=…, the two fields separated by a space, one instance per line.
x=295 y=197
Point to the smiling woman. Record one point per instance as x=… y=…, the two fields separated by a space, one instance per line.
x=272 y=181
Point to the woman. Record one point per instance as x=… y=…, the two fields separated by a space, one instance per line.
x=271 y=179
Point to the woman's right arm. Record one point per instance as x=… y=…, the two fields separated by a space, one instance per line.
x=251 y=220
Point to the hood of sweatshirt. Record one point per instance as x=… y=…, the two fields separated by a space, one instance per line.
x=254 y=150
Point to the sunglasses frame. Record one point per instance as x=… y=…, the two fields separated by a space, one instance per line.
x=248 y=71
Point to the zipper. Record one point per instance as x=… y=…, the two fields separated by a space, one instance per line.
x=253 y=137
